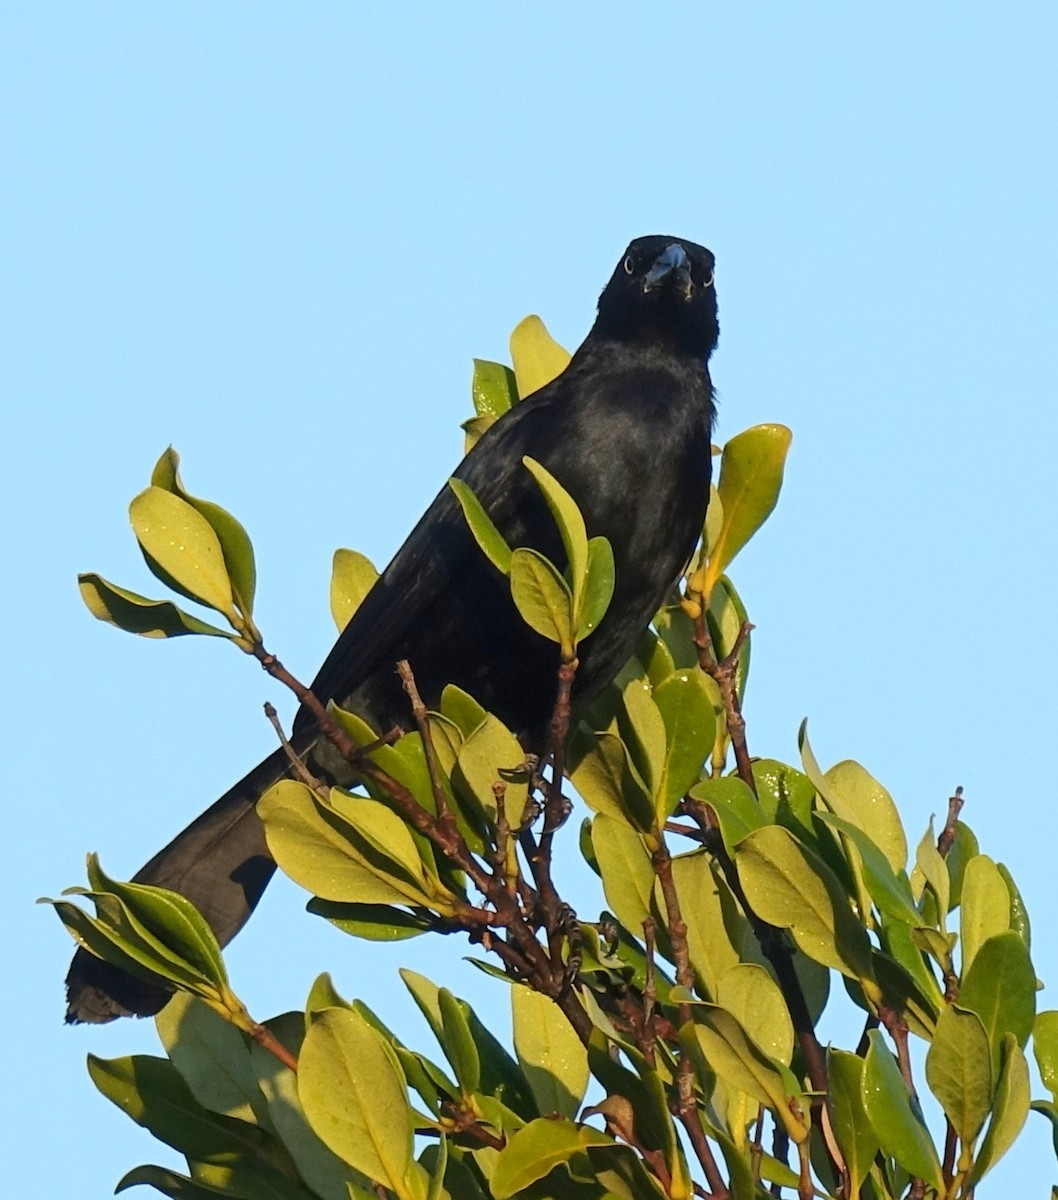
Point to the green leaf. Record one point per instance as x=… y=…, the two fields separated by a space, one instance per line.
x=212 y=1056
x=487 y=536
x=1000 y=987
x=537 y=357
x=790 y=886
x=151 y=1091
x=537 y=1149
x=1010 y=1110
x=321 y=1169
x=642 y=730
x=1019 y=914
x=570 y=527
x=892 y=893
x=1045 y=1048
x=550 y=1053
x=985 y=907
x=461 y=709
x=137 y=614
x=244 y=1176
x=754 y=999
x=934 y=870
x=690 y=730
x=786 y=796
x=318 y=856
x=959 y=1071
x=178 y=539
x=492 y=754
x=542 y=597
x=354 y=1097
x=751 y=472
x=856 y=796
x=170 y=918
x=848 y=1114
x=627 y=873
x=606 y=781
x=896 y=1117
x=353 y=575
x=234 y=541
x=963 y=848
x=492 y=388
x=724 y=617
x=114 y=940
x=734 y=806
x=373 y=922
x=714 y=922
x=735 y=1057
x=458 y=1042
x=170 y=1183
x=598 y=587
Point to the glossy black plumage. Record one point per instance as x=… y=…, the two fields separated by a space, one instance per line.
x=626 y=429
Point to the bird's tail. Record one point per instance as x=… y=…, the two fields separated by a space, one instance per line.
x=220 y=862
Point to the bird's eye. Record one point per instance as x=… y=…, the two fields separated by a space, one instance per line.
x=708 y=283
x=629 y=265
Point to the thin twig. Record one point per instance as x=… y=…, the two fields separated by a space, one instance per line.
x=650 y=991
x=685 y=1080
x=422 y=721
x=297 y=764
x=533 y=961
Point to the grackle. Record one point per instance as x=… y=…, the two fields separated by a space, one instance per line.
x=626 y=429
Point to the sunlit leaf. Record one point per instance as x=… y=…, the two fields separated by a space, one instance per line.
x=896 y=1117
x=791 y=887
x=537 y=357
x=234 y=540
x=959 y=1070
x=487 y=536
x=355 y=1098
x=137 y=614
x=353 y=575
x=176 y=538
x=751 y=472
x=549 y=1051
x=542 y=597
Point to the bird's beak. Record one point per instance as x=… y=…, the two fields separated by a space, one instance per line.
x=672 y=260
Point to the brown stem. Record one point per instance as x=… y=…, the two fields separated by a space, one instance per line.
x=688 y=1106
x=771 y=939
x=264 y=1037
x=723 y=674
x=650 y=991
x=896 y=1027
x=422 y=721
x=550 y=903
x=946 y=838
x=534 y=963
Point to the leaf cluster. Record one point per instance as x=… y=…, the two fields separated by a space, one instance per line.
x=739 y=891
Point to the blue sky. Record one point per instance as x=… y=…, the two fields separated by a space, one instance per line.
x=275 y=235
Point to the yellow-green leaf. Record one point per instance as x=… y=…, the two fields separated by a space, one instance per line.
x=537 y=357
x=542 y=597
x=137 y=614
x=353 y=575
x=550 y=1053
x=354 y=1097
x=751 y=472
x=176 y=538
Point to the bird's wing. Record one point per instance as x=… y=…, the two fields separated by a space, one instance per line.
x=434 y=551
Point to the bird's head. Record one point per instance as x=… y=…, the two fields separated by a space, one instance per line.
x=662 y=292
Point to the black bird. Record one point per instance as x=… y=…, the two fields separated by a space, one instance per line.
x=627 y=430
